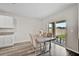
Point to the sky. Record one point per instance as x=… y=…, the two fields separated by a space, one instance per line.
x=61 y=24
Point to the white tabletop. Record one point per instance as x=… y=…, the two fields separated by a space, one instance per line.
x=45 y=39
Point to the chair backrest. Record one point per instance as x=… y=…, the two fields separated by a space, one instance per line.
x=33 y=40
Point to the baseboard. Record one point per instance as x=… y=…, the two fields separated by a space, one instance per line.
x=22 y=42
x=72 y=50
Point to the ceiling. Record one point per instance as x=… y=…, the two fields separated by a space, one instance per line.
x=35 y=10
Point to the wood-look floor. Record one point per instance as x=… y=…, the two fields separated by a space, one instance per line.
x=26 y=49
x=17 y=50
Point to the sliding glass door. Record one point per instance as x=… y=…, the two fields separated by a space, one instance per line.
x=58 y=30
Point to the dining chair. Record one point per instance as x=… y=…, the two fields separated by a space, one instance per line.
x=36 y=45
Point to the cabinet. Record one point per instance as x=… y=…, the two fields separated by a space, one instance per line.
x=6 y=40
x=6 y=22
x=7 y=29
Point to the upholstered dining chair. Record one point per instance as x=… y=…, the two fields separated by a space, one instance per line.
x=36 y=46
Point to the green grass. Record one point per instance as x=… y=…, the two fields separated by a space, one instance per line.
x=62 y=36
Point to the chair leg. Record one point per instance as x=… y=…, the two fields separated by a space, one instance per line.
x=40 y=48
x=35 y=52
x=50 y=48
x=34 y=49
x=44 y=49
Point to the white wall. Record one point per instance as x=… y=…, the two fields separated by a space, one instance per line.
x=78 y=24
x=24 y=26
x=70 y=15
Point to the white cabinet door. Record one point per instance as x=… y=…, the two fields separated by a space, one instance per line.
x=6 y=41
x=6 y=22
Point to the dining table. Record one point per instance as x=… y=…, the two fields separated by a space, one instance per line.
x=44 y=40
